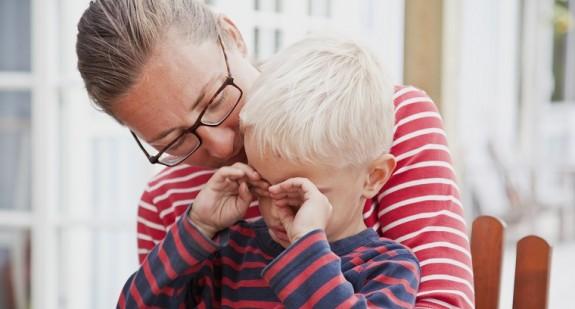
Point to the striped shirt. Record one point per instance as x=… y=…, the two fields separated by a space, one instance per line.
x=244 y=268
x=419 y=206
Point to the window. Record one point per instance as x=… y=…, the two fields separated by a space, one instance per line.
x=15 y=147
x=80 y=232
x=256 y=47
x=15 y=35
x=15 y=153
x=278 y=40
x=268 y=6
x=101 y=177
x=564 y=51
x=14 y=269
x=319 y=8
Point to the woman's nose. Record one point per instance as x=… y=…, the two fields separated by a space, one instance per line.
x=218 y=142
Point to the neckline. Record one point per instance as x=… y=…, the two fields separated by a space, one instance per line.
x=340 y=247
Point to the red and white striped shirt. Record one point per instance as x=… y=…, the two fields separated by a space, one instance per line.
x=419 y=206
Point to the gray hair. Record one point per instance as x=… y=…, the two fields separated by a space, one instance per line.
x=116 y=38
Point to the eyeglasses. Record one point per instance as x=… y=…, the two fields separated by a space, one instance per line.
x=214 y=113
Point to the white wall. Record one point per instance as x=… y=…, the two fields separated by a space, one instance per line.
x=487 y=101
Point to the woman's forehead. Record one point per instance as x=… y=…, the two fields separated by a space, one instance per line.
x=167 y=88
x=186 y=61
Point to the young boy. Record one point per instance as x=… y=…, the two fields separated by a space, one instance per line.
x=312 y=167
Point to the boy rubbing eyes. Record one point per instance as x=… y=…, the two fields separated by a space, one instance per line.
x=316 y=149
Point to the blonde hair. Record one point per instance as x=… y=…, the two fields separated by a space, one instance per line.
x=323 y=100
x=116 y=38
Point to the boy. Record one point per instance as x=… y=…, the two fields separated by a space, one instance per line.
x=311 y=248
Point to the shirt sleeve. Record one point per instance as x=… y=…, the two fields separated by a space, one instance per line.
x=308 y=274
x=420 y=205
x=150 y=228
x=166 y=197
x=171 y=270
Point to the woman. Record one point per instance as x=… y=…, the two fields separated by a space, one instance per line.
x=177 y=76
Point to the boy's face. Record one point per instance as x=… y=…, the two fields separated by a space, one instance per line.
x=343 y=188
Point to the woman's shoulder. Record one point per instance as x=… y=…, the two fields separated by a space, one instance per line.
x=179 y=173
x=415 y=112
x=411 y=99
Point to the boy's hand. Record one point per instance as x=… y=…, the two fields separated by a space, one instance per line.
x=225 y=198
x=301 y=207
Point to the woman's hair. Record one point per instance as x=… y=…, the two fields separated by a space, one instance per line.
x=116 y=38
x=323 y=100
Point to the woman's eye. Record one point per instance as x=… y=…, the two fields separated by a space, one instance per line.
x=218 y=100
x=177 y=144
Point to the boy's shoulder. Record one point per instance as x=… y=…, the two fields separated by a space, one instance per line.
x=375 y=247
x=382 y=255
x=393 y=248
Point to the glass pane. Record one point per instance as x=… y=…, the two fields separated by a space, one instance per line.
x=563 y=52
x=14 y=269
x=559 y=57
x=319 y=8
x=15 y=146
x=94 y=266
x=119 y=175
x=268 y=5
x=256 y=47
x=278 y=40
x=15 y=35
x=68 y=15
x=102 y=171
x=265 y=41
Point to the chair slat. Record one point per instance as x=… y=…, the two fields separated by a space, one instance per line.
x=532 y=269
x=487 y=253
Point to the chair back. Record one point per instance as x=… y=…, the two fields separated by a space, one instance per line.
x=532 y=266
x=487 y=235
x=532 y=269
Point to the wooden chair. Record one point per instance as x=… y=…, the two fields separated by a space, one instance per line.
x=532 y=266
x=487 y=255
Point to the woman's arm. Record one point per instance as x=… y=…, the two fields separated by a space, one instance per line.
x=420 y=205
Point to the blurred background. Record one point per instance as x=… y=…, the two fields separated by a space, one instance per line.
x=501 y=71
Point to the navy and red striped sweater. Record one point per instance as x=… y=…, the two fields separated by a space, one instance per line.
x=244 y=267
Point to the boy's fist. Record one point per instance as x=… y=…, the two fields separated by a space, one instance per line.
x=225 y=198
x=301 y=206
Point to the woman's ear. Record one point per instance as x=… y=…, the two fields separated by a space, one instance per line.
x=379 y=172
x=233 y=34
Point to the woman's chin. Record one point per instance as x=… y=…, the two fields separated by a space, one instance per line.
x=238 y=156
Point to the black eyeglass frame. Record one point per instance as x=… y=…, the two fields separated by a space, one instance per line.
x=229 y=81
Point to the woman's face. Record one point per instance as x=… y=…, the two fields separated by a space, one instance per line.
x=178 y=79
